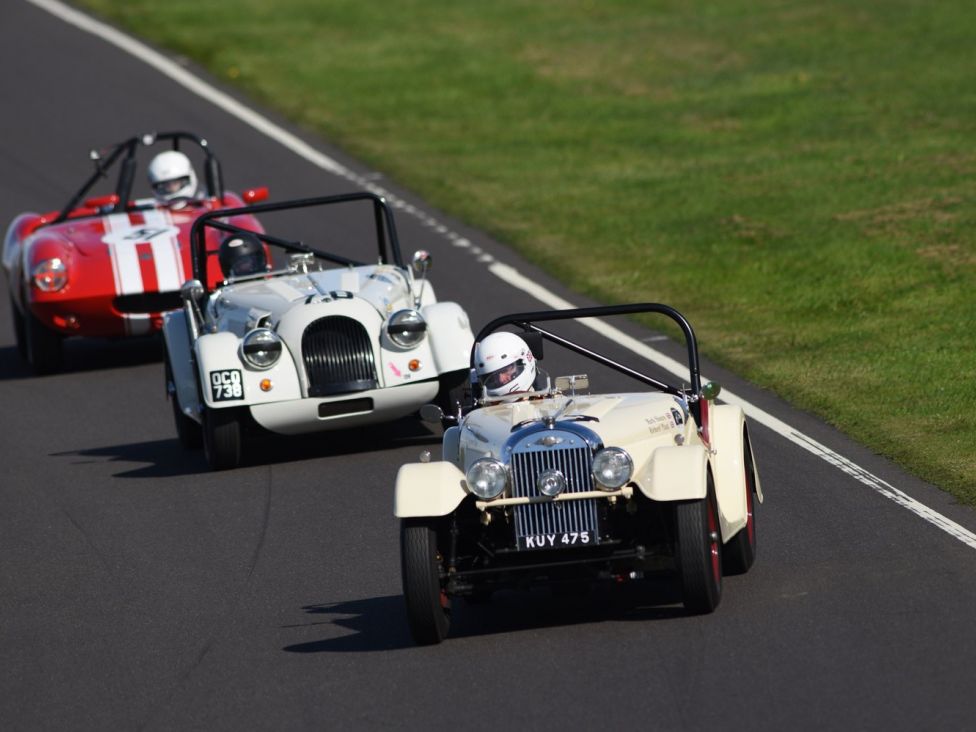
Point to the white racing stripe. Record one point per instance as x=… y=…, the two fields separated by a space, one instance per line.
x=504 y=272
x=125 y=258
x=166 y=251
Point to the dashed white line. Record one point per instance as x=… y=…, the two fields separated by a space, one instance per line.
x=505 y=272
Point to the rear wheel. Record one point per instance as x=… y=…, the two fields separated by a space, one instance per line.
x=739 y=554
x=222 y=438
x=43 y=346
x=699 y=552
x=428 y=607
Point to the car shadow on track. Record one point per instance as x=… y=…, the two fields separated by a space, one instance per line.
x=88 y=354
x=658 y=598
x=167 y=458
x=266 y=448
x=159 y=459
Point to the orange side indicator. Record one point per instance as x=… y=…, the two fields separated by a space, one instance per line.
x=414 y=364
x=266 y=385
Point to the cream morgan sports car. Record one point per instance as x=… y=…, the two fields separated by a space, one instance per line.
x=559 y=486
x=323 y=342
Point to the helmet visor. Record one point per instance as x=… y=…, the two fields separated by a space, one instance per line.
x=245 y=264
x=169 y=187
x=505 y=375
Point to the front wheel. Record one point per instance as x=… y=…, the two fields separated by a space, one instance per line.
x=428 y=607
x=222 y=438
x=42 y=346
x=699 y=552
x=19 y=329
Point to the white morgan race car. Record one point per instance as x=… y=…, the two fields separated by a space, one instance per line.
x=321 y=342
x=557 y=485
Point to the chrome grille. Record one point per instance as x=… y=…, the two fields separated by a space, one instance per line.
x=551 y=517
x=338 y=357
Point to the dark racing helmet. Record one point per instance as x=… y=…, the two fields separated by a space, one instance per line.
x=242 y=254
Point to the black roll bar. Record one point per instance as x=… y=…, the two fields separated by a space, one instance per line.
x=526 y=321
x=105 y=159
x=386 y=236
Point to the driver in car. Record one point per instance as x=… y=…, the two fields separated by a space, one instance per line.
x=505 y=365
x=172 y=178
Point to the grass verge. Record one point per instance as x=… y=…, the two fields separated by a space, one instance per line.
x=797 y=177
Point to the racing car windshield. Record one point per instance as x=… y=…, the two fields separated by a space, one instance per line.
x=504 y=375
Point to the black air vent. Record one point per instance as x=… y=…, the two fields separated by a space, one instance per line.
x=148 y=302
x=338 y=357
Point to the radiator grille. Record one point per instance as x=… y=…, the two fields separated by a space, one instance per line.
x=338 y=357
x=553 y=517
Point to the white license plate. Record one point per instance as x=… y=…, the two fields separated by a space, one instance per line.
x=559 y=540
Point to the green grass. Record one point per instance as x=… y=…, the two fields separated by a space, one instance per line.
x=797 y=177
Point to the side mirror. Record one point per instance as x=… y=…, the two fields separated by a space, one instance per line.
x=255 y=195
x=431 y=413
x=192 y=291
x=422 y=262
x=711 y=390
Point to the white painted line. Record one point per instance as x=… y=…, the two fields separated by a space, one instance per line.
x=503 y=271
x=516 y=279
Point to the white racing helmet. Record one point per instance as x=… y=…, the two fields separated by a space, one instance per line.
x=171 y=176
x=505 y=364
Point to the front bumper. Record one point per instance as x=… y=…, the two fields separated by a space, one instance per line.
x=298 y=416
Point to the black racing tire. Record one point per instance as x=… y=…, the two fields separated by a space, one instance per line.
x=188 y=431
x=43 y=346
x=19 y=329
x=222 y=438
x=739 y=553
x=699 y=552
x=428 y=607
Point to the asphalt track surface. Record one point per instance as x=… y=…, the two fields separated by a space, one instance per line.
x=138 y=590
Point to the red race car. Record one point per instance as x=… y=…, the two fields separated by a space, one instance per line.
x=109 y=265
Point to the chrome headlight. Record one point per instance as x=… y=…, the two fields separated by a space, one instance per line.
x=550 y=483
x=612 y=468
x=406 y=328
x=487 y=478
x=261 y=348
x=50 y=275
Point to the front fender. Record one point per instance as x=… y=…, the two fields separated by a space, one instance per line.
x=675 y=473
x=180 y=355
x=427 y=489
x=18 y=230
x=450 y=336
x=728 y=428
